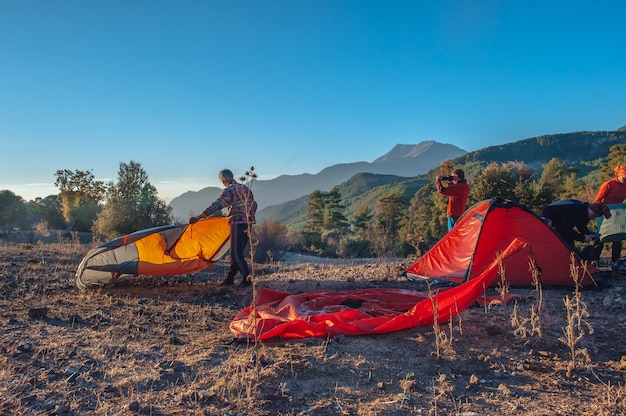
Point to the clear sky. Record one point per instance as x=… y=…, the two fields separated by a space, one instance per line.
x=187 y=88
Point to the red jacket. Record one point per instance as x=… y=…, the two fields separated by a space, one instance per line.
x=457 y=193
x=611 y=192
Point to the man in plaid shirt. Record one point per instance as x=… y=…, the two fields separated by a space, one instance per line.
x=239 y=200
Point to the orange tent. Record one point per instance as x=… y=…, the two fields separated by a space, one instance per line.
x=167 y=250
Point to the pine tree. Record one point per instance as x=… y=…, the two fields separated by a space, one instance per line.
x=334 y=219
x=315 y=212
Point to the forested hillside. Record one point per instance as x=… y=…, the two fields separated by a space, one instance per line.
x=368 y=214
x=579 y=150
x=362 y=190
x=582 y=152
x=397 y=213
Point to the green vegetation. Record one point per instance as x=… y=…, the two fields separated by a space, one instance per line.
x=387 y=214
x=12 y=210
x=80 y=195
x=367 y=215
x=131 y=204
x=84 y=204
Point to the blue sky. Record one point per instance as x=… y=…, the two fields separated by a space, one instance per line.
x=187 y=88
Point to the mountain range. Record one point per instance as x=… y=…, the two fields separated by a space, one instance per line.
x=407 y=168
x=405 y=160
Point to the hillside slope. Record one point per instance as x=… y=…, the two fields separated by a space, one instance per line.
x=363 y=189
x=582 y=150
x=401 y=160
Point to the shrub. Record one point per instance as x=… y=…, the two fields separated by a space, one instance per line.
x=270 y=240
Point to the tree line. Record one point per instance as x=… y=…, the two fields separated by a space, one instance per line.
x=85 y=204
x=396 y=224
x=399 y=224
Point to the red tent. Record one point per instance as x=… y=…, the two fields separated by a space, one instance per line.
x=486 y=229
x=490 y=237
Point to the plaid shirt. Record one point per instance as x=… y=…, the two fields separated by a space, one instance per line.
x=240 y=202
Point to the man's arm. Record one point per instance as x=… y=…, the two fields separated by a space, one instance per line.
x=439 y=185
x=220 y=203
x=602 y=192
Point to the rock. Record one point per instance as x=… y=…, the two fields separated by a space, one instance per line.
x=61 y=409
x=28 y=399
x=493 y=329
x=607 y=302
x=174 y=340
x=27 y=347
x=37 y=313
x=180 y=368
x=473 y=379
x=504 y=390
x=76 y=320
x=49 y=405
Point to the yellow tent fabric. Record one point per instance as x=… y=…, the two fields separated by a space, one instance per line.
x=166 y=250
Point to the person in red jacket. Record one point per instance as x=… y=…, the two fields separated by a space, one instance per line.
x=613 y=191
x=457 y=191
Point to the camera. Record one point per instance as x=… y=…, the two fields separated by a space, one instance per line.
x=447 y=178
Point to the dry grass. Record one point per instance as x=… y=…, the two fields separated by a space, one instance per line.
x=162 y=346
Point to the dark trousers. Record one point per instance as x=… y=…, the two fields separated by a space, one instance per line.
x=616 y=251
x=239 y=239
x=591 y=252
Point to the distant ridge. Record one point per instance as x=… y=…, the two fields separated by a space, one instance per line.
x=406 y=160
x=582 y=151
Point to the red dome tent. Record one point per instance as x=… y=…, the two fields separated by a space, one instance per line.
x=490 y=236
x=486 y=229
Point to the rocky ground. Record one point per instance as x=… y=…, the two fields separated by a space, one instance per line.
x=162 y=346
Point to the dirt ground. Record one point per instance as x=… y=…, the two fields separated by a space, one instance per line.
x=162 y=346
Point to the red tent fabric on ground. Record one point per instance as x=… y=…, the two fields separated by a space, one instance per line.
x=369 y=311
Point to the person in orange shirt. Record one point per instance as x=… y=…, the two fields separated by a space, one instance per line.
x=457 y=191
x=613 y=191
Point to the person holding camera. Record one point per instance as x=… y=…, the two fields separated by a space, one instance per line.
x=457 y=191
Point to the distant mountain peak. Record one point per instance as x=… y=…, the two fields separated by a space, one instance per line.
x=410 y=151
